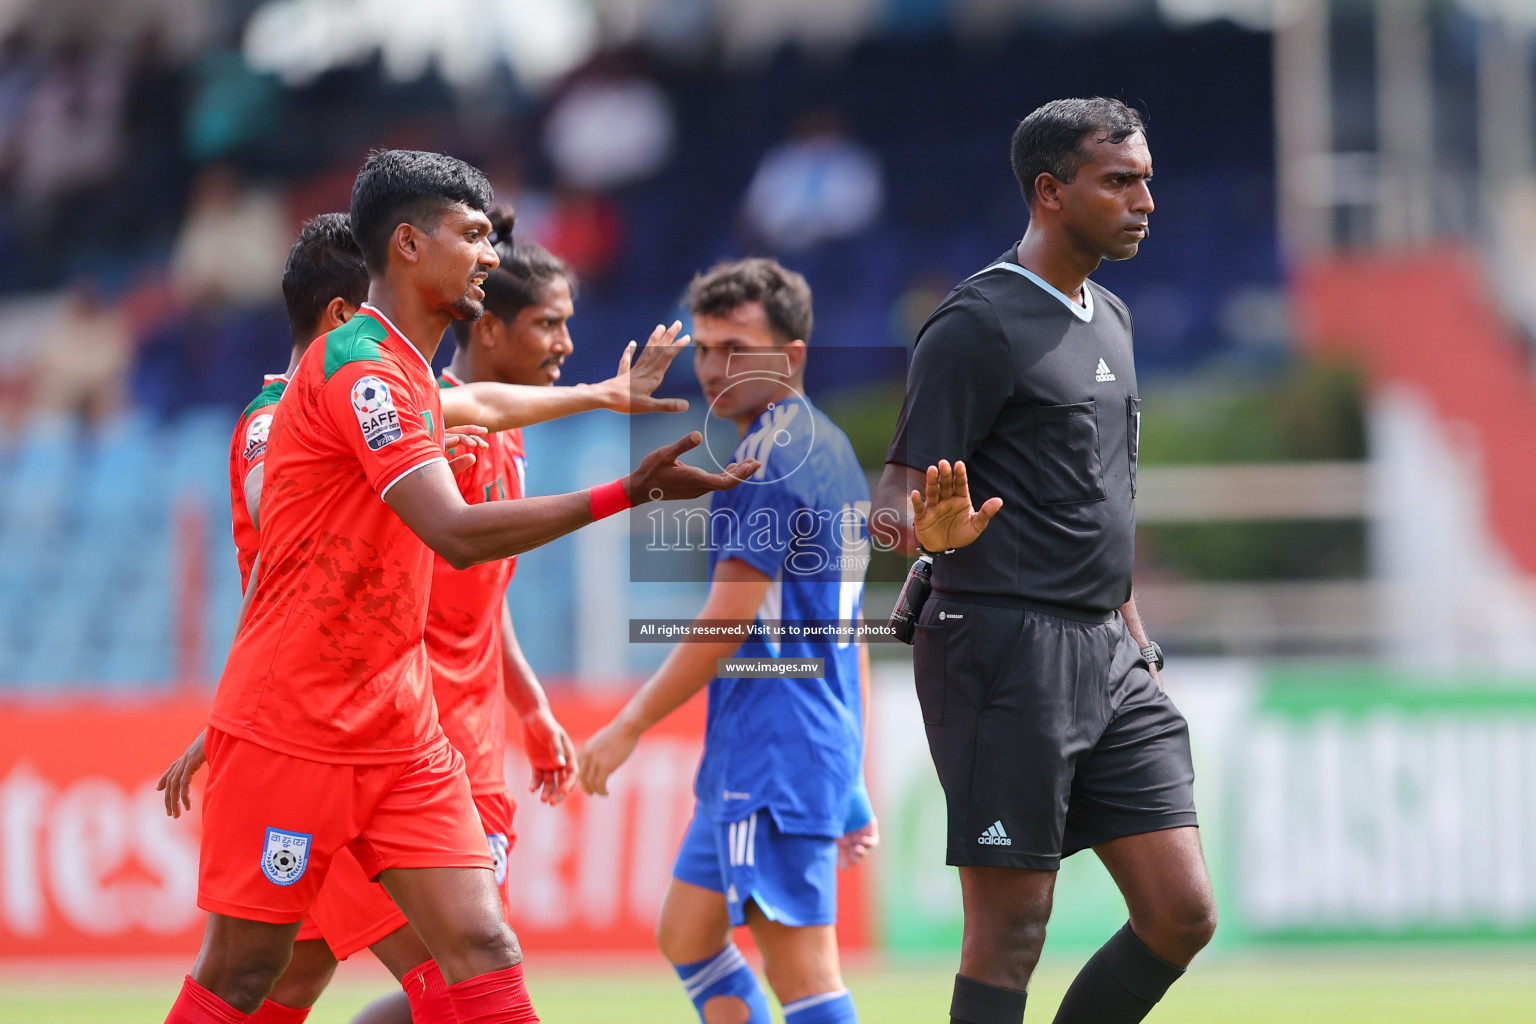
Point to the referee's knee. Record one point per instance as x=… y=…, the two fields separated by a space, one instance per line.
x=1017 y=924
x=1024 y=937
x=1197 y=924
x=1003 y=948
x=1180 y=929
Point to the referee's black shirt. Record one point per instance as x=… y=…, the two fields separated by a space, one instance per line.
x=1037 y=396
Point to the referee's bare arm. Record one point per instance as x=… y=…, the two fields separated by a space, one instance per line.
x=890 y=522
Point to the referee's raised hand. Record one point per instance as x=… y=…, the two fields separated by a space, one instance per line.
x=943 y=518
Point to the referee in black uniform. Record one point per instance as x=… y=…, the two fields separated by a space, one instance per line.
x=1039 y=688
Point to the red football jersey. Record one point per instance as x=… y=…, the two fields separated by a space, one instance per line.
x=330 y=664
x=464 y=624
x=247 y=450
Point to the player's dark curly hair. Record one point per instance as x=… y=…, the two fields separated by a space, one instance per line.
x=325 y=263
x=785 y=297
x=1050 y=139
x=407 y=186
x=524 y=276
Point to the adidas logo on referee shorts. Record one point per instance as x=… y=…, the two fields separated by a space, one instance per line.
x=995 y=836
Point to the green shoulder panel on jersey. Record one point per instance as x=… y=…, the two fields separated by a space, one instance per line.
x=443 y=384
x=354 y=341
x=266 y=396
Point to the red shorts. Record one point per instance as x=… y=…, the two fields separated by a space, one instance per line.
x=273 y=824
x=496 y=810
x=352 y=912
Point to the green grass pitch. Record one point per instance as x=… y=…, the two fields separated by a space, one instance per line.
x=1346 y=987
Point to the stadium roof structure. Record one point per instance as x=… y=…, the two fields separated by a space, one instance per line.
x=299 y=39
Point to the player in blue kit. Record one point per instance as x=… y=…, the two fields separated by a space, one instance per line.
x=781 y=798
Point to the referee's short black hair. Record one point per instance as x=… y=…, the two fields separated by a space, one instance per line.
x=783 y=294
x=1050 y=139
x=525 y=274
x=324 y=264
x=408 y=186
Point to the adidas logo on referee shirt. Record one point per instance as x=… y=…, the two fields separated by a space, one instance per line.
x=1104 y=374
x=995 y=836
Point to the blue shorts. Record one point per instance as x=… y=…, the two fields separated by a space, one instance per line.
x=792 y=879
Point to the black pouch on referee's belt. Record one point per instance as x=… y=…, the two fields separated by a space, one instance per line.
x=914 y=594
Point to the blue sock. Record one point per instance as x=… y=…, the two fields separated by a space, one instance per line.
x=827 y=1008
x=725 y=974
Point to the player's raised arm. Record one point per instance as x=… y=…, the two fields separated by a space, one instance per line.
x=735 y=593
x=429 y=502
x=498 y=406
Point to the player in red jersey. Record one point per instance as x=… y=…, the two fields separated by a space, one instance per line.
x=477 y=665
x=324 y=283
x=519 y=342
x=323 y=734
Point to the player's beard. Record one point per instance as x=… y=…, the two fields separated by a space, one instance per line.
x=466 y=307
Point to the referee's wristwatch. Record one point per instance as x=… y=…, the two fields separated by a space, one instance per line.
x=1153 y=655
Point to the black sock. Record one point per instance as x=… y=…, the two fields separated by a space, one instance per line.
x=1119 y=985
x=976 y=1002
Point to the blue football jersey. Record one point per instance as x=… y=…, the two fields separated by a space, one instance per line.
x=793 y=747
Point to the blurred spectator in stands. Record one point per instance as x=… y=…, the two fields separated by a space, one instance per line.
x=83 y=359
x=818 y=185
x=586 y=229
x=917 y=300
x=232 y=244
x=603 y=134
x=232 y=106
x=147 y=194
x=72 y=129
x=19 y=71
x=534 y=206
x=607 y=133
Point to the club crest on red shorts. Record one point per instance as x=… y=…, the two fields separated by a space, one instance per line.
x=499 y=848
x=286 y=857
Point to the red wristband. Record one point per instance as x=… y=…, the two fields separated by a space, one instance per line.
x=608 y=499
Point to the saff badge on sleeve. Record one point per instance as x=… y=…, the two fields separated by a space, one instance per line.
x=286 y=857
x=256 y=434
x=376 y=414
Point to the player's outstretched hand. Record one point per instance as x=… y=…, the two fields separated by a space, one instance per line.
x=551 y=754
x=177 y=779
x=630 y=390
x=855 y=846
x=944 y=518
x=660 y=477
x=470 y=438
x=608 y=748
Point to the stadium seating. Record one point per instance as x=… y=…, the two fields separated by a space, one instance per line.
x=97 y=530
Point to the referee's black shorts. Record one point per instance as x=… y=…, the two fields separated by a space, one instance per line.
x=1048 y=734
